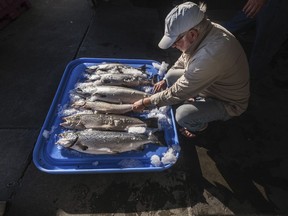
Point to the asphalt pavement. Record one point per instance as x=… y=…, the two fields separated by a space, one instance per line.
x=238 y=167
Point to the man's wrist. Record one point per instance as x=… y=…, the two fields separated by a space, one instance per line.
x=142 y=102
x=146 y=102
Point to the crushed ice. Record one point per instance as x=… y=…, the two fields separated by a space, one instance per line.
x=161 y=68
x=168 y=157
x=155 y=160
x=47 y=133
x=161 y=114
x=138 y=130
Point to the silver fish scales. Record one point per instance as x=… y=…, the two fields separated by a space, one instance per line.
x=128 y=80
x=117 y=68
x=112 y=94
x=103 y=107
x=105 y=142
x=101 y=122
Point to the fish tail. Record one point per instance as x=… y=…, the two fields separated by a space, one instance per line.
x=158 y=138
x=151 y=122
x=154 y=79
x=143 y=68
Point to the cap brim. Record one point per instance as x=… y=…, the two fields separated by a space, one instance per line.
x=166 y=42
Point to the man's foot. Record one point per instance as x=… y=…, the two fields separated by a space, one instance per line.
x=185 y=132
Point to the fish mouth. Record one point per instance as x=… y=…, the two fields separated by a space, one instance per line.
x=77 y=104
x=66 y=123
x=72 y=124
x=80 y=93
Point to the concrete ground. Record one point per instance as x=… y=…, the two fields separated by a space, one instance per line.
x=238 y=167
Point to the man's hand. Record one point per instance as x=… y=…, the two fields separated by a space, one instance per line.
x=252 y=7
x=159 y=86
x=138 y=106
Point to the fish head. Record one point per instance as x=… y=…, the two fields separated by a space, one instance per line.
x=67 y=139
x=81 y=93
x=91 y=69
x=72 y=122
x=97 y=93
x=78 y=104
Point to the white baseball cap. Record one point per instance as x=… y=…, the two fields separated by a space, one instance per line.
x=181 y=18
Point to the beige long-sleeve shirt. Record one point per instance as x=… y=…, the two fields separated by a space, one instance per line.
x=218 y=68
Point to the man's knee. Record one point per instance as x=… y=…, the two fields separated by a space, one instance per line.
x=182 y=114
x=173 y=75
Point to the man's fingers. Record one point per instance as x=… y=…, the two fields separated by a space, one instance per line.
x=252 y=7
x=157 y=88
x=252 y=12
x=249 y=9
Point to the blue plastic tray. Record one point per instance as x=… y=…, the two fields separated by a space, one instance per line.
x=51 y=158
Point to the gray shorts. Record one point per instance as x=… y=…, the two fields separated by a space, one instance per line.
x=195 y=115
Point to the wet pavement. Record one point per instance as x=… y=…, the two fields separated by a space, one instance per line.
x=238 y=167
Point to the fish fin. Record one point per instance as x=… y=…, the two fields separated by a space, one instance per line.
x=141 y=148
x=82 y=147
x=67 y=144
x=143 y=68
x=80 y=126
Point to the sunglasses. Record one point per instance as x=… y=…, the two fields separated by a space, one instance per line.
x=181 y=36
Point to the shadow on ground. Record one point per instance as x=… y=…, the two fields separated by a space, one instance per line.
x=250 y=153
